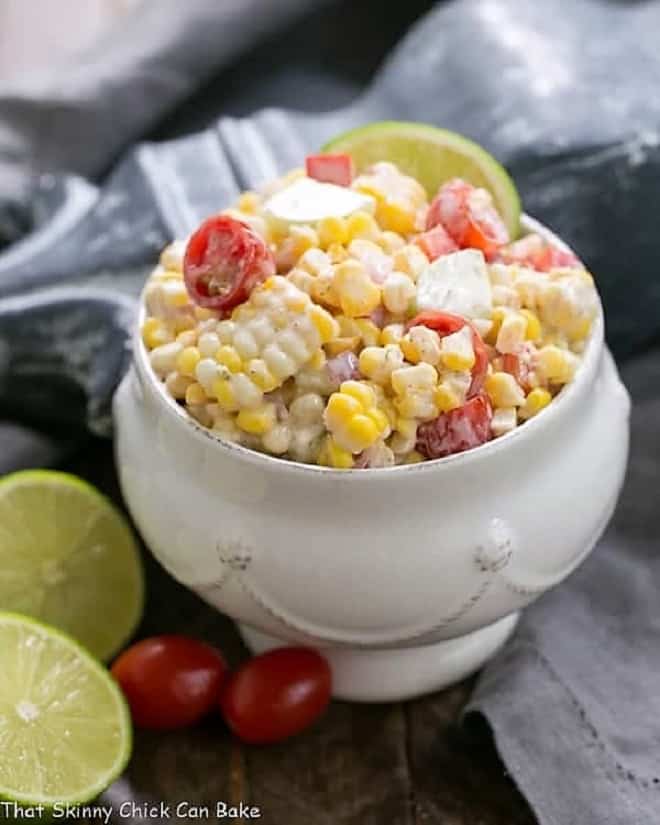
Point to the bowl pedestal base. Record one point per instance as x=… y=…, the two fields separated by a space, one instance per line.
x=392 y=674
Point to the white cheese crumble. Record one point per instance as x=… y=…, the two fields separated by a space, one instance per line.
x=457 y=283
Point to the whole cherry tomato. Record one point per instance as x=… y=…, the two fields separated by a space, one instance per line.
x=277 y=694
x=445 y=323
x=225 y=259
x=468 y=215
x=170 y=681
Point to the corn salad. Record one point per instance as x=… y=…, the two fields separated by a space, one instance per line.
x=319 y=324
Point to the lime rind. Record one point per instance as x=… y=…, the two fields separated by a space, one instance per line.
x=418 y=149
x=105 y=637
x=92 y=667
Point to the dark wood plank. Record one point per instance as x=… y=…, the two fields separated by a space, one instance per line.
x=351 y=769
x=457 y=776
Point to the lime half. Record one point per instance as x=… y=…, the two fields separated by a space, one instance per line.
x=432 y=156
x=65 y=729
x=68 y=558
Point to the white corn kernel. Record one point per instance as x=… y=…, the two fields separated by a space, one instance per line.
x=503 y=421
x=308 y=408
x=398 y=292
x=208 y=344
x=512 y=332
x=163 y=358
x=248 y=395
x=207 y=373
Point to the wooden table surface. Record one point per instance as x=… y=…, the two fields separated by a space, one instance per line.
x=396 y=764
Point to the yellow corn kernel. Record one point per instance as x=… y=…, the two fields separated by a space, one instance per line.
x=203 y=314
x=228 y=357
x=556 y=365
x=391 y=241
x=184 y=323
x=187 y=360
x=177 y=385
x=155 y=333
x=296 y=302
x=511 y=333
x=332 y=230
x=533 y=331
x=392 y=334
x=171 y=258
x=368 y=331
x=380 y=419
x=445 y=398
x=260 y=375
x=396 y=216
x=302 y=279
x=496 y=322
x=325 y=324
x=410 y=350
x=357 y=293
x=421 y=377
x=341 y=407
x=360 y=391
x=248 y=202
x=456 y=350
x=426 y=345
x=318 y=360
x=258 y=421
x=503 y=390
x=323 y=289
x=580 y=329
x=342 y=344
x=413 y=457
x=411 y=260
x=337 y=253
x=362 y=225
x=398 y=292
x=537 y=399
x=224 y=392
x=175 y=294
x=332 y=455
x=195 y=395
x=360 y=432
x=378 y=363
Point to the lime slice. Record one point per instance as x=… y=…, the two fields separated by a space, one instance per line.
x=68 y=558
x=432 y=156
x=65 y=729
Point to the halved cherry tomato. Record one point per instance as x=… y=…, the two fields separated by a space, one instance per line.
x=277 y=694
x=468 y=215
x=435 y=242
x=457 y=430
x=170 y=681
x=445 y=323
x=337 y=169
x=533 y=251
x=225 y=259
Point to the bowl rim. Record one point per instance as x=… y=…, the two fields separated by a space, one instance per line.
x=584 y=376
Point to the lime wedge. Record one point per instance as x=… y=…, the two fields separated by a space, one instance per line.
x=432 y=156
x=65 y=729
x=68 y=558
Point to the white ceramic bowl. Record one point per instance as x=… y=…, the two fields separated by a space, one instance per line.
x=408 y=578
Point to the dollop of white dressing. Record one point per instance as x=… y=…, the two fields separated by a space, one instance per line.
x=308 y=201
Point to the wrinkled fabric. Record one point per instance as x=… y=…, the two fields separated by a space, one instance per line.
x=565 y=95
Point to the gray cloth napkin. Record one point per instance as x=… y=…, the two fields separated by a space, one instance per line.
x=565 y=95
x=574 y=699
